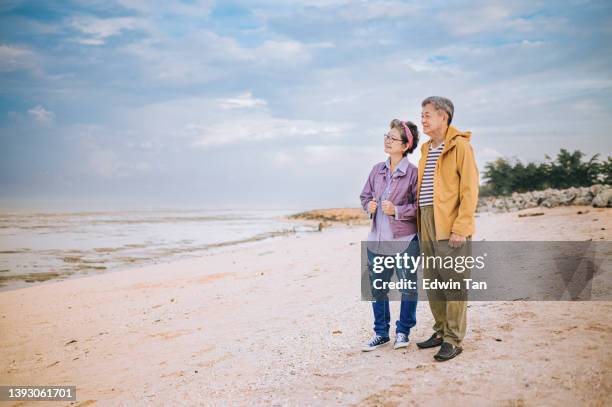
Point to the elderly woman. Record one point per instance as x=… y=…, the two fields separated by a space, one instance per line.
x=389 y=197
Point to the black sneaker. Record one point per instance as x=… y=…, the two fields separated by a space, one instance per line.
x=375 y=342
x=432 y=342
x=447 y=351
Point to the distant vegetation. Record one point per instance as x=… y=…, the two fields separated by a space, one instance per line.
x=503 y=177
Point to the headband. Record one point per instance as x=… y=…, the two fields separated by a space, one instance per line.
x=408 y=134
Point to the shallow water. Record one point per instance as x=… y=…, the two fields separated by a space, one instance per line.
x=41 y=246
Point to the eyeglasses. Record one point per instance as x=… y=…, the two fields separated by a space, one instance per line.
x=387 y=136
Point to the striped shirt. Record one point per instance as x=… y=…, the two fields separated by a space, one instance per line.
x=427 y=186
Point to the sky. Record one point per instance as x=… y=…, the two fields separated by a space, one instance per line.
x=255 y=104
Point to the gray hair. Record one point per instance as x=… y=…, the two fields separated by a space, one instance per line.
x=441 y=103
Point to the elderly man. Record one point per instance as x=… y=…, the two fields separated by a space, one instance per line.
x=447 y=198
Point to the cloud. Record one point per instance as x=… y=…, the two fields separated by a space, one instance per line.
x=202 y=123
x=325 y=159
x=13 y=58
x=287 y=51
x=282 y=158
x=482 y=17
x=588 y=106
x=245 y=100
x=259 y=128
x=431 y=65
x=373 y=10
x=348 y=98
x=98 y=30
x=102 y=158
x=334 y=153
x=198 y=8
x=107 y=164
x=203 y=56
x=40 y=114
x=486 y=154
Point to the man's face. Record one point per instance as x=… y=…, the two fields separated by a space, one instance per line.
x=432 y=120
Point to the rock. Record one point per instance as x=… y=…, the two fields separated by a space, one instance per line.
x=551 y=202
x=596 y=189
x=549 y=198
x=603 y=199
x=567 y=197
x=499 y=204
x=523 y=215
x=583 y=199
x=482 y=208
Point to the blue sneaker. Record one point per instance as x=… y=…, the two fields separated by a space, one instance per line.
x=375 y=342
x=401 y=341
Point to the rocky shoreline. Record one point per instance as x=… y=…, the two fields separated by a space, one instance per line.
x=350 y=216
x=598 y=196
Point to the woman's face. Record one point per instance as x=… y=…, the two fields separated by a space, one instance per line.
x=393 y=142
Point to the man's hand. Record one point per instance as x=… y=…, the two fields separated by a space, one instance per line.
x=372 y=205
x=456 y=241
x=388 y=208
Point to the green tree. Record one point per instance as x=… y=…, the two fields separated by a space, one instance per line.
x=568 y=169
x=605 y=171
x=497 y=175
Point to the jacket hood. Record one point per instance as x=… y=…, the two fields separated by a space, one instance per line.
x=452 y=133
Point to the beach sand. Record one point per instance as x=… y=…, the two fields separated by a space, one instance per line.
x=280 y=322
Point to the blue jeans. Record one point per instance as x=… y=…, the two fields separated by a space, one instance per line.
x=382 y=313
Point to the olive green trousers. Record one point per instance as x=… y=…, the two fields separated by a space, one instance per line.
x=450 y=316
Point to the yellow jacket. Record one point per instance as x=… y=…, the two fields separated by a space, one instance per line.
x=455 y=185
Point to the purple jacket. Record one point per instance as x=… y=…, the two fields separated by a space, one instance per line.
x=403 y=195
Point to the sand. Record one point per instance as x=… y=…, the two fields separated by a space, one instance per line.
x=280 y=322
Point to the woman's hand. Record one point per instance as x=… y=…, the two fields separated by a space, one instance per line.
x=372 y=205
x=388 y=208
